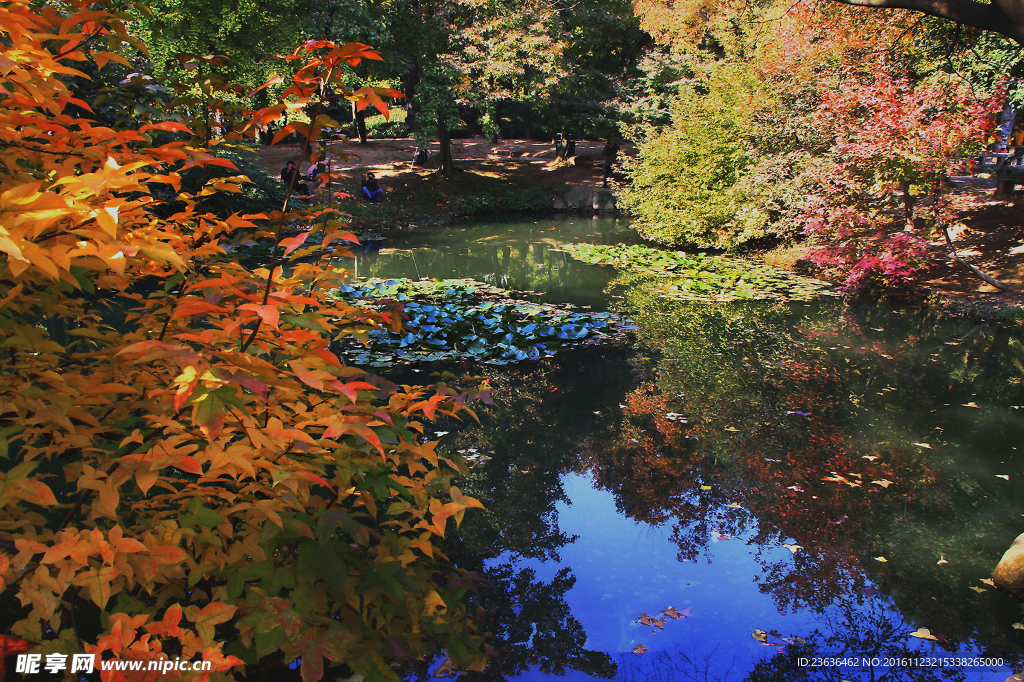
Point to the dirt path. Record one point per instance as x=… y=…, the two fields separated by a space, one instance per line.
x=991 y=236
x=388 y=158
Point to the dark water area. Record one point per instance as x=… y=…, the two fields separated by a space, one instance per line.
x=740 y=488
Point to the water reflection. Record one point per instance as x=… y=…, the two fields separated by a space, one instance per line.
x=522 y=256
x=802 y=478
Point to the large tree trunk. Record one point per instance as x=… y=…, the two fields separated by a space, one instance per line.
x=526 y=117
x=444 y=161
x=1000 y=16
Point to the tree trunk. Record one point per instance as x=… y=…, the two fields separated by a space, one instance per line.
x=361 y=126
x=526 y=120
x=908 y=203
x=444 y=160
x=1002 y=286
x=410 y=79
x=497 y=121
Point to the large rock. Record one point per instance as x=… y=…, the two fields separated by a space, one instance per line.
x=1009 y=573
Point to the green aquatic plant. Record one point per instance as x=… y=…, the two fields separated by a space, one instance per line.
x=698 y=277
x=465 y=319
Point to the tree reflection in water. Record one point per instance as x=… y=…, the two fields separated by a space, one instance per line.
x=839 y=434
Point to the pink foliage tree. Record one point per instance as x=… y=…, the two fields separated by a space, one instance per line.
x=879 y=190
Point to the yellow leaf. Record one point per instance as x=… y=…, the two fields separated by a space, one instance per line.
x=924 y=633
x=881 y=558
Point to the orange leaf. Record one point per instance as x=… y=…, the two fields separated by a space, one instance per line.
x=268 y=313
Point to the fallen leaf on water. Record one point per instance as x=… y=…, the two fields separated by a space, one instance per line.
x=924 y=633
x=884 y=483
x=675 y=614
x=792 y=548
x=793 y=487
x=988 y=581
x=870 y=458
x=1018 y=626
x=881 y=558
x=760 y=635
x=971 y=404
x=659 y=623
x=923 y=445
x=705 y=487
x=729 y=428
x=440 y=433
x=644 y=619
x=979 y=590
x=1003 y=476
x=942 y=559
x=735 y=506
x=640 y=649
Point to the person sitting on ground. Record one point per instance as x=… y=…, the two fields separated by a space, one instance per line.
x=288 y=176
x=371 y=188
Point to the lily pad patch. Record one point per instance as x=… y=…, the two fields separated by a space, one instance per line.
x=697 y=277
x=465 y=319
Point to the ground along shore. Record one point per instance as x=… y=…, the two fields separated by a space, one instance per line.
x=515 y=176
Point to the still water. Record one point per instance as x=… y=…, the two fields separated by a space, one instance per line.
x=739 y=489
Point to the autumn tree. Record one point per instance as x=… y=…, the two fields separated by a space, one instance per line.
x=190 y=468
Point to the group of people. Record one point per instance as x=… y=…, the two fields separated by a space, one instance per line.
x=565 y=149
x=290 y=176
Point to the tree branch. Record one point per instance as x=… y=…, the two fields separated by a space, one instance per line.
x=1000 y=16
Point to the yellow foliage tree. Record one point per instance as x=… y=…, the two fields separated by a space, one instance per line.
x=188 y=469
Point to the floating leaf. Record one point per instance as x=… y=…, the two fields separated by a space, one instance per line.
x=884 y=483
x=1003 y=476
x=971 y=404
x=924 y=633
x=640 y=649
x=923 y=445
x=705 y=487
x=1018 y=626
x=881 y=558
x=760 y=635
x=675 y=614
x=870 y=458
x=942 y=560
x=792 y=548
x=988 y=581
x=979 y=590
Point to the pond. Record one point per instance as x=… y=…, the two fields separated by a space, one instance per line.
x=740 y=488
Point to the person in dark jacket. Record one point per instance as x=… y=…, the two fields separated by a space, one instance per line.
x=288 y=174
x=570 y=148
x=371 y=188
